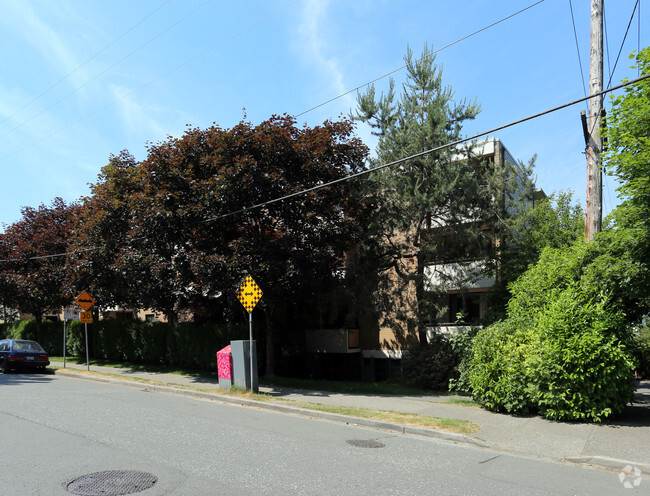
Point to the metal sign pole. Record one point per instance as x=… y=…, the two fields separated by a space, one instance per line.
x=249 y=294
x=87 y=359
x=250 y=344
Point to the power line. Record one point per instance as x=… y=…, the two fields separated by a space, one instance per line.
x=208 y=50
x=87 y=60
x=97 y=76
x=139 y=88
x=426 y=152
x=575 y=34
x=623 y=42
x=609 y=65
x=611 y=75
x=638 y=39
x=56 y=255
x=404 y=66
x=384 y=166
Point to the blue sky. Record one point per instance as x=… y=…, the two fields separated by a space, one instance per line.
x=84 y=79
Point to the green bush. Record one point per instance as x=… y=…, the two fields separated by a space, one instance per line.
x=431 y=366
x=642 y=351
x=462 y=346
x=564 y=349
x=50 y=336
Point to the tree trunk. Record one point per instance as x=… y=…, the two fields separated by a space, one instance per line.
x=419 y=291
x=270 y=348
x=38 y=318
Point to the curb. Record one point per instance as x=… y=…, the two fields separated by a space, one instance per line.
x=292 y=410
x=607 y=463
x=600 y=462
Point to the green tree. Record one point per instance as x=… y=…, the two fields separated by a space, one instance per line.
x=179 y=249
x=566 y=347
x=430 y=208
x=552 y=222
x=628 y=149
x=628 y=158
x=34 y=277
x=103 y=238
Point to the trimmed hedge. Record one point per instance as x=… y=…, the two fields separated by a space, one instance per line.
x=184 y=345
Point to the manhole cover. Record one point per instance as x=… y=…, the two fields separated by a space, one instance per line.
x=111 y=483
x=365 y=443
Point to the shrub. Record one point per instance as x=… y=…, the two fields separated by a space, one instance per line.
x=462 y=346
x=642 y=351
x=51 y=335
x=564 y=349
x=432 y=365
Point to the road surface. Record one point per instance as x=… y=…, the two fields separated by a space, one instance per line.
x=54 y=430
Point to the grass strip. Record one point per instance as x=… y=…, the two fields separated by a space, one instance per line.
x=412 y=419
x=233 y=391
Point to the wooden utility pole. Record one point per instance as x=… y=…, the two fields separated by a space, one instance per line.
x=594 y=209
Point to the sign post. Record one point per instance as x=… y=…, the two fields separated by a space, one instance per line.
x=249 y=293
x=85 y=301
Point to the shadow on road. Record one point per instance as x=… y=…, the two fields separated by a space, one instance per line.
x=17 y=378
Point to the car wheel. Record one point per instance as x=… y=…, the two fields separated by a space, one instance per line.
x=2 y=366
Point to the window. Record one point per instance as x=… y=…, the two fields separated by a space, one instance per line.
x=465 y=308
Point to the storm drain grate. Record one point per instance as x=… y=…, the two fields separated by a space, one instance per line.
x=111 y=483
x=365 y=443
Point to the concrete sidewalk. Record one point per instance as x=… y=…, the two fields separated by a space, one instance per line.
x=612 y=445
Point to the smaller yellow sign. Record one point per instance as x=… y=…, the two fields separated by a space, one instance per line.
x=86 y=317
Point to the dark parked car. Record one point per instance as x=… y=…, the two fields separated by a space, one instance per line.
x=21 y=354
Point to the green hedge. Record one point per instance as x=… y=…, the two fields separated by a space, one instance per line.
x=184 y=345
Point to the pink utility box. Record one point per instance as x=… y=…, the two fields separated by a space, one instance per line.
x=224 y=367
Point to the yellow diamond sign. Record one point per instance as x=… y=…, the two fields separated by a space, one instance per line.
x=249 y=293
x=85 y=301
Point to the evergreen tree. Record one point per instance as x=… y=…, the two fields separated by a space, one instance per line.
x=433 y=208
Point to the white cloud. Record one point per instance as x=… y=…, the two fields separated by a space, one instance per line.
x=41 y=29
x=137 y=118
x=315 y=47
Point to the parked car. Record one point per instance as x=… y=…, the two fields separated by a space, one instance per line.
x=21 y=354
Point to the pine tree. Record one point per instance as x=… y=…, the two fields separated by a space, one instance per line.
x=428 y=209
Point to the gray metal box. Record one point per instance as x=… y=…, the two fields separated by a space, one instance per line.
x=241 y=365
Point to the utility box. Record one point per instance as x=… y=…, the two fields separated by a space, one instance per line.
x=241 y=365
x=224 y=367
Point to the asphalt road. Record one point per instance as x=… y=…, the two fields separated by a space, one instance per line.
x=56 y=429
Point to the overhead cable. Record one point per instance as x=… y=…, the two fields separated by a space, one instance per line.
x=404 y=66
x=426 y=152
x=45 y=91
x=386 y=165
x=97 y=76
x=139 y=88
x=575 y=34
x=623 y=43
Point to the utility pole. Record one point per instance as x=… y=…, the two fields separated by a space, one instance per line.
x=594 y=209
